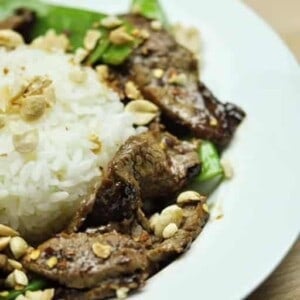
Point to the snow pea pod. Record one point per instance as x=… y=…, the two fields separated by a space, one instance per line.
x=211 y=165
x=150 y=9
x=212 y=172
x=75 y=23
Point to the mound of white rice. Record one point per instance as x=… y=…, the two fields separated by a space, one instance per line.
x=40 y=191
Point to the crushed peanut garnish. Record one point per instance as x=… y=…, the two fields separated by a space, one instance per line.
x=18 y=246
x=52 y=262
x=156 y=25
x=131 y=90
x=33 y=107
x=103 y=72
x=78 y=75
x=190 y=196
x=141 y=33
x=122 y=292
x=227 y=168
x=111 y=22
x=158 y=73
x=7 y=231
x=144 y=34
x=171 y=214
x=120 y=36
x=153 y=220
x=15 y=264
x=10 y=280
x=37 y=86
x=80 y=55
x=102 y=250
x=97 y=144
x=213 y=121
x=40 y=295
x=20 y=278
x=180 y=79
x=205 y=208
x=169 y=230
x=26 y=142
x=144 y=111
x=4 y=242
x=91 y=39
x=174 y=213
x=35 y=254
x=16 y=279
x=10 y=39
x=189 y=37
x=135 y=32
x=51 y=42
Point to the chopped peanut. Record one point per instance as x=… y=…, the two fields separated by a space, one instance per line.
x=131 y=90
x=190 y=196
x=7 y=231
x=35 y=254
x=10 y=39
x=111 y=22
x=91 y=39
x=169 y=230
x=26 y=142
x=102 y=250
x=120 y=36
x=144 y=111
x=18 y=246
x=52 y=262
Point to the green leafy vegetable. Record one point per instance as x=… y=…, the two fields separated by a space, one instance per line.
x=150 y=9
x=116 y=54
x=99 y=51
x=75 y=23
x=72 y=21
x=211 y=166
x=34 y=285
x=212 y=172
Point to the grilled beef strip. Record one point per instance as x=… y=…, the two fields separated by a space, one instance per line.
x=78 y=265
x=136 y=255
x=182 y=99
x=148 y=168
x=105 y=290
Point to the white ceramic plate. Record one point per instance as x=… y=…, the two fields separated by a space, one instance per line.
x=247 y=63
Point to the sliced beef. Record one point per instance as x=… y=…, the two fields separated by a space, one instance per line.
x=149 y=167
x=21 y=21
x=80 y=266
x=105 y=290
x=182 y=99
x=136 y=254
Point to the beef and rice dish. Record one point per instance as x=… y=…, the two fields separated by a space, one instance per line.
x=110 y=146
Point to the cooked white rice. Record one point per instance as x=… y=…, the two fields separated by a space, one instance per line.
x=39 y=192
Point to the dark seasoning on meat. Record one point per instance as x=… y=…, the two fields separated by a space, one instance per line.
x=112 y=245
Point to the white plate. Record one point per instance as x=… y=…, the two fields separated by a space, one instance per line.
x=245 y=62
